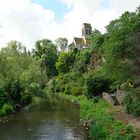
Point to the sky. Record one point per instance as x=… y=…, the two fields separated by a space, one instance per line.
x=30 y=20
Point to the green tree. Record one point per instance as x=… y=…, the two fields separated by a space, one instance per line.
x=65 y=61
x=119 y=45
x=82 y=60
x=19 y=70
x=61 y=43
x=46 y=51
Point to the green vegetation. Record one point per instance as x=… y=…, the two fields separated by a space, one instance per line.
x=61 y=43
x=20 y=77
x=132 y=102
x=46 y=52
x=6 y=109
x=112 y=61
x=96 y=84
x=102 y=125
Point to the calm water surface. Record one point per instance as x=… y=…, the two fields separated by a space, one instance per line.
x=50 y=119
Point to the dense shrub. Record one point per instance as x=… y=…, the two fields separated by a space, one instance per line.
x=34 y=88
x=75 y=77
x=20 y=75
x=62 y=88
x=96 y=84
x=132 y=102
x=68 y=88
x=2 y=98
x=70 y=83
x=25 y=98
x=7 y=108
x=82 y=60
x=55 y=85
x=76 y=91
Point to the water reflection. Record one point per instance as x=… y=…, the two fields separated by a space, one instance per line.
x=51 y=119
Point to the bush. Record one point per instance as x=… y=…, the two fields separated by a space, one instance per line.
x=70 y=83
x=72 y=77
x=96 y=84
x=7 y=108
x=25 y=99
x=62 y=88
x=68 y=88
x=2 y=98
x=34 y=89
x=132 y=102
x=76 y=91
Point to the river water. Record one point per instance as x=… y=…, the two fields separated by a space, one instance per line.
x=49 y=119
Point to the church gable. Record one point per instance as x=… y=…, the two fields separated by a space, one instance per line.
x=84 y=42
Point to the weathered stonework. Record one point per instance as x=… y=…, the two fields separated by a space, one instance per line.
x=110 y=98
x=120 y=95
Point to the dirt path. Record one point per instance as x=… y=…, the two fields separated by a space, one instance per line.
x=119 y=114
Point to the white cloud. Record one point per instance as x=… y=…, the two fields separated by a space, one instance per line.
x=24 y=21
x=98 y=12
x=27 y=22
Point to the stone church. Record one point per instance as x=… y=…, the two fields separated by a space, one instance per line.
x=84 y=41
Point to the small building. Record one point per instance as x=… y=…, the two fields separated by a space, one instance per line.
x=84 y=41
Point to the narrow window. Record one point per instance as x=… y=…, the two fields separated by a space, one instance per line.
x=86 y=32
x=89 y=32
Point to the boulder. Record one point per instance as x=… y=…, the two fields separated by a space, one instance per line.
x=110 y=98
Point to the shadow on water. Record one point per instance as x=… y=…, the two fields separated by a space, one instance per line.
x=49 y=119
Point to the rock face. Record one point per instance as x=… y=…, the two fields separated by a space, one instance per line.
x=120 y=95
x=110 y=98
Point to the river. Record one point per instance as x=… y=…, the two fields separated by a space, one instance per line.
x=49 y=119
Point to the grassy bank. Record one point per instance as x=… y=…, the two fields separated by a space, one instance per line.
x=101 y=124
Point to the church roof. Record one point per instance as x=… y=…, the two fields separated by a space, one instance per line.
x=79 y=40
x=87 y=25
x=71 y=44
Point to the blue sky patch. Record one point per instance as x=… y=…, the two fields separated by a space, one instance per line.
x=55 y=5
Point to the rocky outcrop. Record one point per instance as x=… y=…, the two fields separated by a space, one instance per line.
x=120 y=95
x=110 y=98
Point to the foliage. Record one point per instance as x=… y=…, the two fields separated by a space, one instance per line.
x=61 y=43
x=2 y=98
x=112 y=60
x=18 y=71
x=97 y=58
x=96 y=84
x=119 y=46
x=25 y=98
x=65 y=61
x=70 y=83
x=132 y=102
x=7 y=108
x=46 y=51
x=82 y=60
x=76 y=91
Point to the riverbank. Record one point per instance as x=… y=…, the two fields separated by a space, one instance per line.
x=94 y=114
x=46 y=118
